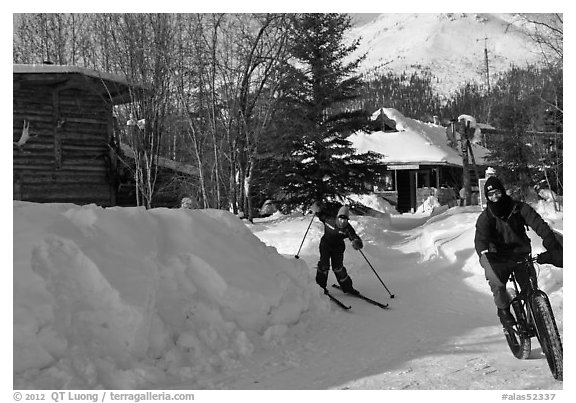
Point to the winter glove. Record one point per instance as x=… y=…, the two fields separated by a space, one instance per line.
x=357 y=244
x=315 y=208
x=544 y=258
x=554 y=257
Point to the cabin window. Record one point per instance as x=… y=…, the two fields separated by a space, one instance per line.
x=385 y=183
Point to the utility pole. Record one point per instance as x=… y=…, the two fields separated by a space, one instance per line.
x=486 y=62
x=487 y=76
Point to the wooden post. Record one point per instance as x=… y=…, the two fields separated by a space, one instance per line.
x=113 y=168
x=473 y=160
x=469 y=134
x=57 y=127
x=466 y=174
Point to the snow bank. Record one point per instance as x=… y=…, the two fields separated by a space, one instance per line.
x=119 y=298
x=375 y=202
x=549 y=212
x=450 y=235
x=443 y=235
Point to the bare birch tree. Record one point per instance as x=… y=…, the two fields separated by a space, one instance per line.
x=141 y=47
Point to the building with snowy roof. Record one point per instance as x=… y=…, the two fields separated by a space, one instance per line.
x=418 y=157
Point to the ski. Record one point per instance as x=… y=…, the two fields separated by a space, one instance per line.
x=336 y=300
x=365 y=298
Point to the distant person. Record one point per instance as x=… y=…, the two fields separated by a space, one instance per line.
x=186 y=203
x=501 y=241
x=489 y=172
x=336 y=229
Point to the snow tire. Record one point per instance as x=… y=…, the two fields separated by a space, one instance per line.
x=547 y=332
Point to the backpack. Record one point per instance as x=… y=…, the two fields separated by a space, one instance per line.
x=512 y=230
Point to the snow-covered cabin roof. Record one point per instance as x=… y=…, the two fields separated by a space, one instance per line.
x=115 y=86
x=415 y=142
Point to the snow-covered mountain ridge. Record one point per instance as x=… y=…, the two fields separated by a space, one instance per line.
x=450 y=45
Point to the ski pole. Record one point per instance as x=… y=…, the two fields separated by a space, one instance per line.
x=391 y=295
x=306 y=233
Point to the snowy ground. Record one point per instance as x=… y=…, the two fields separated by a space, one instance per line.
x=124 y=298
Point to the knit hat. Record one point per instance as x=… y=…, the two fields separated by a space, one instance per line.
x=344 y=211
x=503 y=207
x=493 y=183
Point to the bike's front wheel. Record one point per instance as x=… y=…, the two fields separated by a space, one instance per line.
x=518 y=336
x=547 y=332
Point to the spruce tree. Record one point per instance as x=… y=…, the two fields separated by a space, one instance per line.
x=311 y=156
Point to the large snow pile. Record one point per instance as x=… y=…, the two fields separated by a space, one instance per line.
x=126 y=298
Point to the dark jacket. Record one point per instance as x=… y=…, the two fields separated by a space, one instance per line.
x=334 y=235
x=508 y=236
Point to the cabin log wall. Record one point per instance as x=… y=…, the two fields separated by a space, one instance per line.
x=67 y=158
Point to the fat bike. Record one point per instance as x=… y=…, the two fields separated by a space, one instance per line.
x=534 y=318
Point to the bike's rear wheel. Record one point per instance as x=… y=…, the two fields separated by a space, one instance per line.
x=517 y=336
x=547 y=332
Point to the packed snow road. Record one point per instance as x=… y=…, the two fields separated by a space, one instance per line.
x=441 y=331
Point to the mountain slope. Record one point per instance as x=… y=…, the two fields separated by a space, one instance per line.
x=450 y=46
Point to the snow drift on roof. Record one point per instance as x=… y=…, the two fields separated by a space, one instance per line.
x=415 y=142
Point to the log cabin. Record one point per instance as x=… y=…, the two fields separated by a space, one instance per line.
x=63 y=144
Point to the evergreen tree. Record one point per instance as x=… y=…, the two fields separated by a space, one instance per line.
x=468 y=99
x=310 y=157
x=521 y=106
x=413 y=94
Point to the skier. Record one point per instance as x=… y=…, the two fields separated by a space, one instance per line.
x=501 y=238
x=336 y=229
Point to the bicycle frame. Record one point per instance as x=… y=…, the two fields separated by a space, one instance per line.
x=523 y=294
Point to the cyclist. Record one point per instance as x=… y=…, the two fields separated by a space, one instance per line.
x=501 y=239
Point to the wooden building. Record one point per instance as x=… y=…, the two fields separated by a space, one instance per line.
x=64 y=148
x=419 y=160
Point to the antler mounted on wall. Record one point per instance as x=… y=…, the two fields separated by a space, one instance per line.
x=25 y=136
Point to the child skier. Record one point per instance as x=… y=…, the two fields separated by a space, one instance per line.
x=336 y=229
